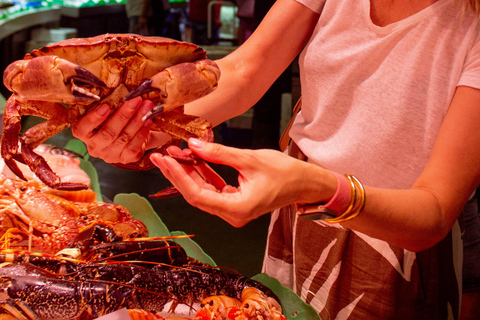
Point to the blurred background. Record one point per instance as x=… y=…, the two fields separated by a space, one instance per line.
x=217 y=26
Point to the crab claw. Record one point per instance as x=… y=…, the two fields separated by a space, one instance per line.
x=179 y=84
x=83 y=75
x=156 y=110
x=50 y=78
x=168 y=192
x=144 y=88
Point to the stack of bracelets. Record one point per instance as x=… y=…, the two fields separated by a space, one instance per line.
x=349 y=190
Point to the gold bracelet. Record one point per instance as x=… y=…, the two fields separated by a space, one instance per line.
x=362 y=198
x=347 y=215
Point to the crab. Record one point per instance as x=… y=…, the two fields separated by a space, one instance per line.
x=62 y=81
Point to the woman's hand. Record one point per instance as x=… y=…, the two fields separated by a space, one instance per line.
x=267 y=180
x=121 y=137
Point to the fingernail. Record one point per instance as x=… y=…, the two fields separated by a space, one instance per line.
x=196 y=143
x=102 y=110
x=134 y=103
x=156 y=159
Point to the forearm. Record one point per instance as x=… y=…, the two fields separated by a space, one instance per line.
x=248 y=72
x=226 y=101
x=415 y=218
x=412 y=219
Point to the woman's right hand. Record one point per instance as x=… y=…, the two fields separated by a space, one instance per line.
x=267 y=179
x=121 y=137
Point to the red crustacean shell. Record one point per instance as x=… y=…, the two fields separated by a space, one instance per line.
x=149 y=54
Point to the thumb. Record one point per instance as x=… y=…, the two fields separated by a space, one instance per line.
x=214 y=152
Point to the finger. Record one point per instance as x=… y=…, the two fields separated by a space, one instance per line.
x=208 y=174
x=134 y=149
x=83 y=128
x=220 y=154
x=172 y=170
x=175 y=151
x=114 y=125
x=186 y=179
x=136 y=124
x=204 y=198
x=229 y=189
x=131 y=142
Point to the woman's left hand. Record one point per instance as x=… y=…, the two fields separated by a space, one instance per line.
x=267 y=180
x=120 y=137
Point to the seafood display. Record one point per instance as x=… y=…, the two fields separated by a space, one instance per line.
x=65 y=255
x=253 y=304
x=70 y=260
x=62 y=81
x=56 y=287
x=37 y=217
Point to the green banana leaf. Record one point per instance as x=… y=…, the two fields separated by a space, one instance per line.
x=292 y=306
x=142 y=210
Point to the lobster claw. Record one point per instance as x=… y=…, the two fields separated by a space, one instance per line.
x=50 y=78
x=177 y=85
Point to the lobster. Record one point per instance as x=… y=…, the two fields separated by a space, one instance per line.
x=110 y=272
x=95 y=289
x=53 y=298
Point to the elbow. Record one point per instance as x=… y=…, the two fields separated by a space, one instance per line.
x=429 y=238
x=434 y=225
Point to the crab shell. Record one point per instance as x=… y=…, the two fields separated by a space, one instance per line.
x=115 y=59
x=85 y=72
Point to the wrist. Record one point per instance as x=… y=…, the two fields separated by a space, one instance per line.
x=347 y=202
x=319 y=185
x=338 y=194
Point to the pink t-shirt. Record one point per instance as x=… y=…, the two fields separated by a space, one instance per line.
x=374 y=97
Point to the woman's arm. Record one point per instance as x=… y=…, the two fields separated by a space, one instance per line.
x=414 y=219
x=246 y=74
x=423 y=215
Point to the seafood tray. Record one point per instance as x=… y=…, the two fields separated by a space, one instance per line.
x=200 y=278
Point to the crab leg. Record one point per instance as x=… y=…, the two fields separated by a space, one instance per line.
x=11 y=131
x=183 y=126
x=43 y=171
x=178 y=85
x=59 y=119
